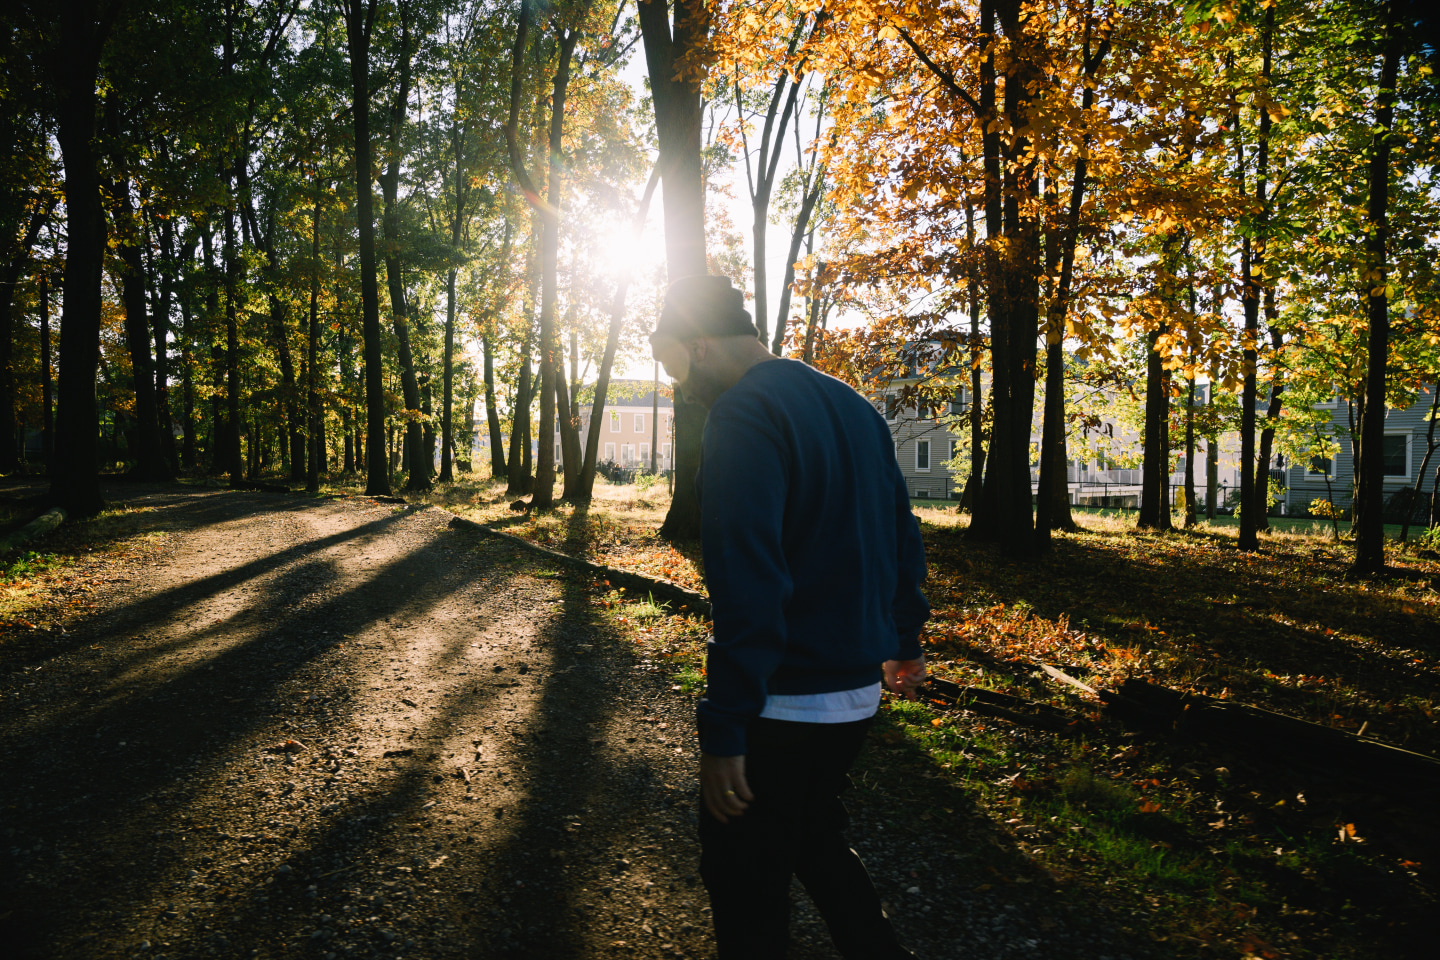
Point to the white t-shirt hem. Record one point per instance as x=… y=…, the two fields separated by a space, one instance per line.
x=840 y=706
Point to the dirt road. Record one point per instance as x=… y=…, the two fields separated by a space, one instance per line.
x=301 y=728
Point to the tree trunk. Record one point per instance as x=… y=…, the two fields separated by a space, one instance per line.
x=492 y=412
x=359 y=20
x=417 y=466
x=314 y=412
x=551 y=368
x=447 y=402
x=612 y=344
x=520 y=480
x=677 y=122
x=1190 y=452
x=168 y=271
x=1272 y=417
x=149 y=459
x=1006 y=514
x=1370 y=498
x=1155 y=473
x=763 y=184
x=14 y=270
x=1053 y=507
x=797 y=234
x=75 y=483
x=1212 y=476
x=188 y=458
x=1424 y=463
x=1252 y=267
x=47 y=389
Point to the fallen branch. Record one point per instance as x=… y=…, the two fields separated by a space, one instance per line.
x=659 y=590
x=1281 y=738
x=948 y=694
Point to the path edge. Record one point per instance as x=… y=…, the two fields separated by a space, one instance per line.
x=659 y=590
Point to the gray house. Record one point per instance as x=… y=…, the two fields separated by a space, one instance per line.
x=1404 y=453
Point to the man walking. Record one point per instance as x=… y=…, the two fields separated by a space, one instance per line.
x=813 y=562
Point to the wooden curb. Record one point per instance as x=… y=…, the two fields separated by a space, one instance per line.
x=660 y=590
x=40 y=525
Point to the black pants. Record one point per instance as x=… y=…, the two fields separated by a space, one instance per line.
x=794 y=827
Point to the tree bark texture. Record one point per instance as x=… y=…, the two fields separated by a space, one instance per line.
x=677 y=121
x=1370 y=496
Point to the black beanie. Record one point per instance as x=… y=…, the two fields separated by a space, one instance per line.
x=704 y=306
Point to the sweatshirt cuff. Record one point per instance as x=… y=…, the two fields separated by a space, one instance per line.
x=909 y=648
x=722 y=738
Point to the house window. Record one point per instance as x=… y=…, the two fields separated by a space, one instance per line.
x=922 y=494
x=954 y=449
x=627 y=454
x=1396 y=454
x=645 y=454
x=639 y=423
x=892 y=408
x=664 y=456
x=609 y=453
x=557 y=453
x=922 y=455
x=1320 y=467
x=614 y=422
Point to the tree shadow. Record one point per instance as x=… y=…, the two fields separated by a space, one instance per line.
x=103 y=794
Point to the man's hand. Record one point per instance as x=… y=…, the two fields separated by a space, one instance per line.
x=723 y=786
x=905 y=676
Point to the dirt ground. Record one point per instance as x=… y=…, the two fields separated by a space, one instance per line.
x=287 y=727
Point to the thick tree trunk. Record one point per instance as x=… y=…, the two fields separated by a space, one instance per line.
x=1370 y=497
x=359 y=20
x=1155 y=473
x=677 y=122
x=1006 y=514
x=75 y=482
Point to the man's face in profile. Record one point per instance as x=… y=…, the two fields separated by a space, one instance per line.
x=674 y=356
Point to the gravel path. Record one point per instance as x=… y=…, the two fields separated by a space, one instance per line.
x=339 y=729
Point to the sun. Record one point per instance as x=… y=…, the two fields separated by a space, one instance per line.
x=618 y=250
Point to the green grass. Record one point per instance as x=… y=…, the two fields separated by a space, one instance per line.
x=28 y=564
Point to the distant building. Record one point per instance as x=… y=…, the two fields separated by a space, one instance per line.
x=1333 y=478
x=928 y=436
x=634 y=419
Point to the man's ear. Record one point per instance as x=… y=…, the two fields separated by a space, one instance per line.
x=699 y=350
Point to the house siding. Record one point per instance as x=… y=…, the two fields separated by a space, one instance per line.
x=1302 y=488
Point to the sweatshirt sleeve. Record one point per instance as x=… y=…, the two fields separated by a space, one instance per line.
x=745 y=476
x=910 y=609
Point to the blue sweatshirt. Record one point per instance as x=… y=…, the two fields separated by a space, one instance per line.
x=813 y=559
